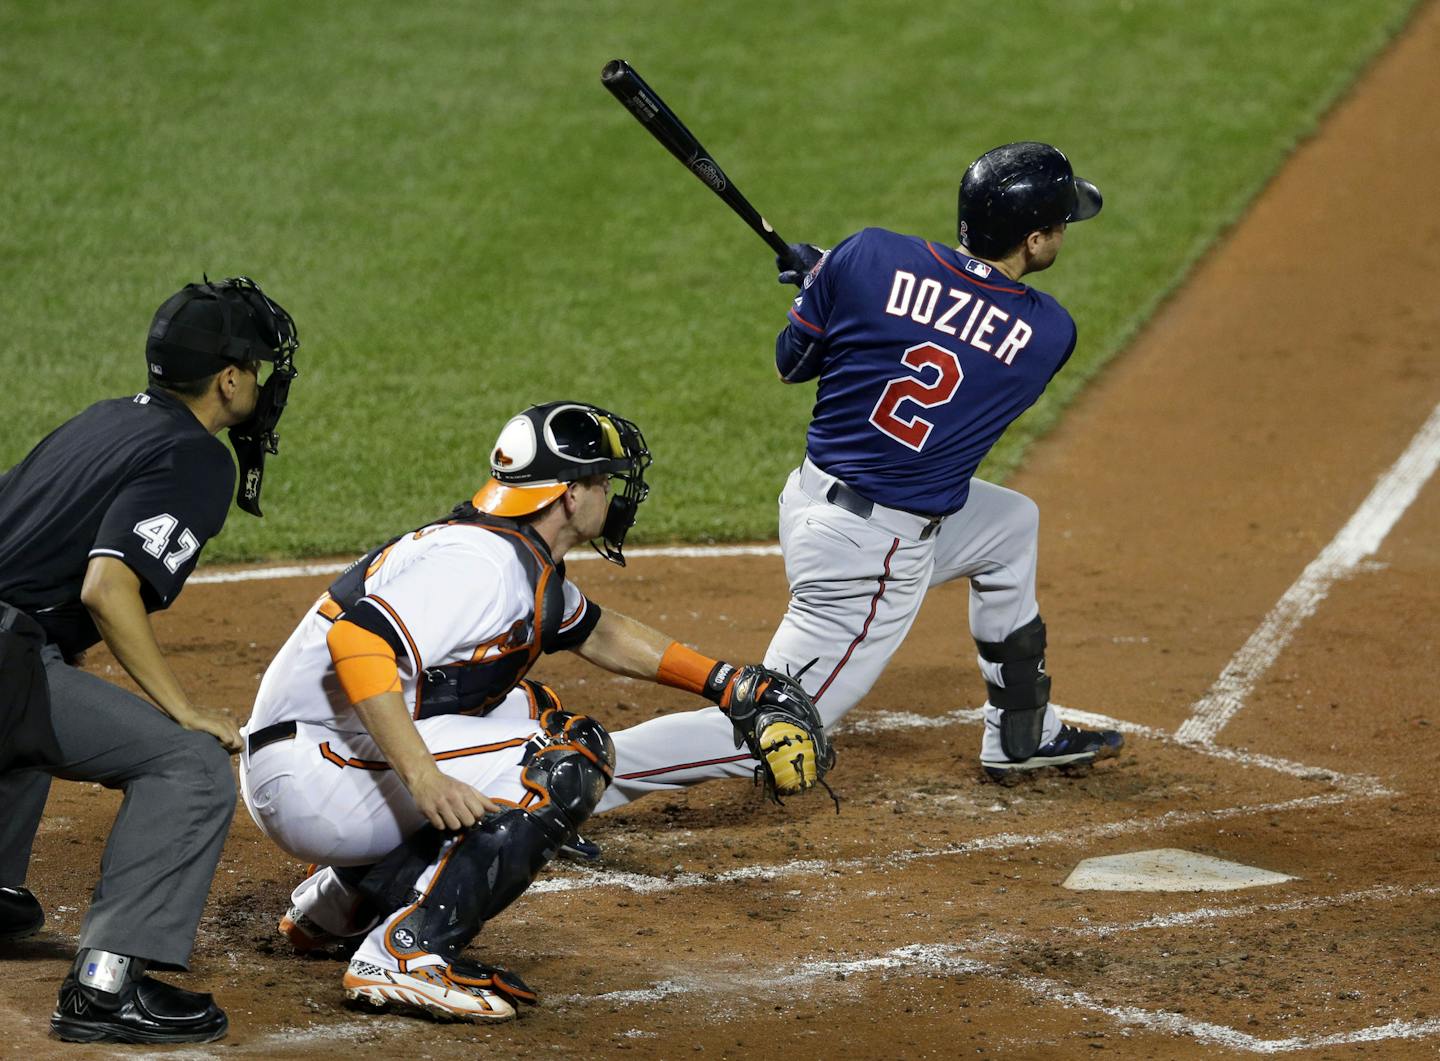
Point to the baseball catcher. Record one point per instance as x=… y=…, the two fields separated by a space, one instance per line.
x=397 y=743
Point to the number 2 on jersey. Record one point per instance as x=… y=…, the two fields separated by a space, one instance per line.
x=912 y=431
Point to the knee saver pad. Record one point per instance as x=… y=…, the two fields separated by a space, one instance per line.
x=1026 y=689
x=583 y=734
x=565 y=785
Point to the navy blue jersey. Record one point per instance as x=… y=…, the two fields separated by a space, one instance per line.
x=924 y=356
x=139 y=479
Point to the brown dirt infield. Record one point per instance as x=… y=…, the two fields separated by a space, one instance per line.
x=1183 y=495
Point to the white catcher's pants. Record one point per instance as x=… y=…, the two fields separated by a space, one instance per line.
x=855 y=588
x=327 y=797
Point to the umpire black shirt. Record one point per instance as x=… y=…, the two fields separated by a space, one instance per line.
x=136 y=478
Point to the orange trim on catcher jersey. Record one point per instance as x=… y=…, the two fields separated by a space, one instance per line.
x=364 y=661
x=532 y=649
x=574 y=617
x=409 y=642
x=380 y=559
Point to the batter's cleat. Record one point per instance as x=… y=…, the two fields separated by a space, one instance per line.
x=580 y=850
x=142 y=1011
x=431 y=990
x=1072 y=747
x=21 y=914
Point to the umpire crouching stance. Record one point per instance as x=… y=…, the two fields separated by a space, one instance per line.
x=100 y=525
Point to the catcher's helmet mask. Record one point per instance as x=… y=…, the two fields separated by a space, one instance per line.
x=202 y=328
x=1015 y=189
x=545 y=448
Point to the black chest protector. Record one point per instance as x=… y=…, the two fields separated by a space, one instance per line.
x=473 y=688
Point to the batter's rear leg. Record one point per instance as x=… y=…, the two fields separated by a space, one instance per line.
x=993 y=541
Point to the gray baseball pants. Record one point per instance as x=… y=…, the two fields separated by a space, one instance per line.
x=165 y=844
x=856 y=585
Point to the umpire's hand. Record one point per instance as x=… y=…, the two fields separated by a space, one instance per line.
x=216 y=723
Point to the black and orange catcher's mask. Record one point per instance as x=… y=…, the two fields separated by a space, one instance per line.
x=544 y=449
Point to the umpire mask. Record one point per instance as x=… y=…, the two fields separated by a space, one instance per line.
x=206 y=326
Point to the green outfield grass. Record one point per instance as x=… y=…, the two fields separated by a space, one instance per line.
x=463 y=222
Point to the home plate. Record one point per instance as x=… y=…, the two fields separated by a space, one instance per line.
x=1167 y=869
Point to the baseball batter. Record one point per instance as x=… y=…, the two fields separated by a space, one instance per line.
x=397 y=743
x=924 y=354
x=100 y=525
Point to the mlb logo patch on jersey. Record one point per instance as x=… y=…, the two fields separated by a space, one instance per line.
x=980 y=269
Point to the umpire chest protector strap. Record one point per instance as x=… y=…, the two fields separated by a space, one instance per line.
x=474 y=688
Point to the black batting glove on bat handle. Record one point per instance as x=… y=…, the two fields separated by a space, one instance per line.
x=795 y=266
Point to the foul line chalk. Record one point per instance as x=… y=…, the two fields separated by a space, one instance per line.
x=262 y=574
x=578 y=877
x=889 y=721
x=1359 y=538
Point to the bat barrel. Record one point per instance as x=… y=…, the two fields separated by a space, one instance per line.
x=642 y=101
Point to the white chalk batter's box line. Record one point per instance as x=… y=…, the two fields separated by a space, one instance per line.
x=956 y=960
x=1349 y=786
x=575 y=877
x=1359 y=784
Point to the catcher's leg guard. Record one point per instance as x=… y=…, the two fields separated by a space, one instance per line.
x=1024 y=688
x=481 y=871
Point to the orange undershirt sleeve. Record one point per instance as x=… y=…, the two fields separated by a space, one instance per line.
x=684 y=668
x=364 y=662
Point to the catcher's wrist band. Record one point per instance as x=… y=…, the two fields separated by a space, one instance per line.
x=364 y=662
x=684 y=668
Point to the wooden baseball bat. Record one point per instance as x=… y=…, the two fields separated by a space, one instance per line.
x=650 y=111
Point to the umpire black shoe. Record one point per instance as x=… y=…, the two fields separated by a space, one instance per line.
x=143 y=1010
x=1072 y=747
x=21 y=914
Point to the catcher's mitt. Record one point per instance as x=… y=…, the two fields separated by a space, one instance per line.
x=776 y=719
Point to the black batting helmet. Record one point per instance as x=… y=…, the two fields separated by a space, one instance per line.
x=543 y=449
x=1013 y=190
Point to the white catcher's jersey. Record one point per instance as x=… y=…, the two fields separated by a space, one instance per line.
x=454 y=593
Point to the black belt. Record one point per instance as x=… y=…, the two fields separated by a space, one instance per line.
x=270 y=734
x=844 y=497
x=12 y=618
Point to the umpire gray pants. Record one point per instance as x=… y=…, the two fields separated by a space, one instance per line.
x=165 y=844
